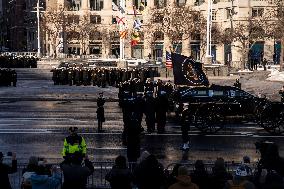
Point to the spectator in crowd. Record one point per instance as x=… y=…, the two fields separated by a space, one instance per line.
x=149 y=174
x=133 y=139
x=264 y=63
x=172 y=177
x=28 y=172
x=281 y=92
x=270 y=179
x=183 y=180
x=143 y=156
x=74 y=146
x=219 y=174
x=75 y=175
x=246 y=163
x=5 y=170
x=41 y=180
x=240 y=179
x=200 y=176
x=120 y=176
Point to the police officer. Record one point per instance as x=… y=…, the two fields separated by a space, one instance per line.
x=150 y=111
x=101 y=100
x=100 y=118
x=74 y=145
x=237 y=84
x=161 y=111
x=281 y=92
x=133 y=139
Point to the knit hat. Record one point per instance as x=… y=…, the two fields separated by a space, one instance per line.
x=182 y=170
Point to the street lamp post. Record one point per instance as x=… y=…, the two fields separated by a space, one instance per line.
x=38 y=27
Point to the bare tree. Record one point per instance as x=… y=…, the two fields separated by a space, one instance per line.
x=176 y=22
x=275 y=17
x=53 y=24
x=244 y=35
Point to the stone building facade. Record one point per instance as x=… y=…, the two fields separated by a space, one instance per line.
x=105 y=41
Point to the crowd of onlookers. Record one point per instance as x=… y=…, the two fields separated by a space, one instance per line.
x=146 y=173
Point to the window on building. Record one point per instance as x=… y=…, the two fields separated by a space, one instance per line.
x=257 y=12
x=181 y=2
x=73 y=19
x=140 y=3
x=158 y=18
x=74 y=5
x=97 y=5
x=160 y=3
x=158 y=35
x=95 y=19
x=228 y=13
x=96 y=35
x=198 y=2
x=214 y=15
x=216 y=1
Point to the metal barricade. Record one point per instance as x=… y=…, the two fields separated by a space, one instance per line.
x=97 y=179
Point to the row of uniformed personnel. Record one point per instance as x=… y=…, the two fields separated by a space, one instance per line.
x=101 y=77
x=8 y=77
x=12 y=61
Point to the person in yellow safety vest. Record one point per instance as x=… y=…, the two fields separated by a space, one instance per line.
x=74 y=145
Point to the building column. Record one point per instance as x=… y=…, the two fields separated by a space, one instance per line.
x=106 y=44
x=190 y=2
x=60 y=3
x=107 y=4
x=148 y=40
x=268 y=50
x=168 y=46
x=186 y=51
x=85 y=5
x=220 y=52
x=151 y=3
x=236 y=55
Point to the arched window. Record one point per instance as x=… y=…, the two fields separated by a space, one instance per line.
x=158 y=35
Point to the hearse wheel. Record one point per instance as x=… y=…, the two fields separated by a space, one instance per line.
x=209 y=118
x=272 y=120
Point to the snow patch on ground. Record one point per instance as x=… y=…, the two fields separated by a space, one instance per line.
x=276 y=75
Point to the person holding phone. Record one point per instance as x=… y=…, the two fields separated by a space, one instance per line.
x=5 y=170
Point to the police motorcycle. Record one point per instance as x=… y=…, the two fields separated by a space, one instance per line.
x=209 y=109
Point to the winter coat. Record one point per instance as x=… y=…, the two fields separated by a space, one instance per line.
x=149 y=174
x=236 y=182
x=75 y=176
x=45 y=181
x=4 y=171
x=119 y=178
x=184 y=182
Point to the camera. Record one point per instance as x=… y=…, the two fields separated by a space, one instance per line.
x=9 y=153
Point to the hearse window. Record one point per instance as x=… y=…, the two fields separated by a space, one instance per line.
x=201 y=93
x=218 y=93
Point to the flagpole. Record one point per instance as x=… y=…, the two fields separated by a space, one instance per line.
x=121 y=28
x=209 y=28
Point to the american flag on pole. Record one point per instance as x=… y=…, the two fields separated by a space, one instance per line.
x=169 y=63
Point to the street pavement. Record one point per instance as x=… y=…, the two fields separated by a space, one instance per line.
x=35 y=117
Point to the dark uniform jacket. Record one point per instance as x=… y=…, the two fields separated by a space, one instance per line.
x=4 y=171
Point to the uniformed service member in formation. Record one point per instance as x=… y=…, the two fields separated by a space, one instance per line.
x=8 y=77
x=74 y=145
x=100 y=112
x=149 y=99
x=18 y=61
x=77 y=74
